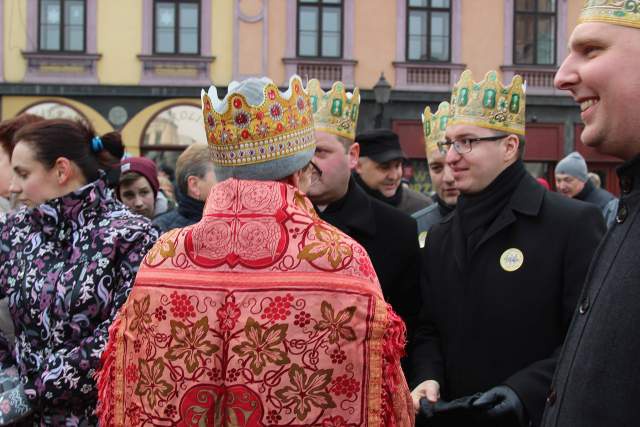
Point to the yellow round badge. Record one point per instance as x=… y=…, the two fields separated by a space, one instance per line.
x=511 y=259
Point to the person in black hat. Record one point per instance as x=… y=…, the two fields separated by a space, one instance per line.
x=379 y=171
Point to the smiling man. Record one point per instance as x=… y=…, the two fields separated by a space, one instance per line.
x=503 y=272
x=379 y=171
x=596 y=383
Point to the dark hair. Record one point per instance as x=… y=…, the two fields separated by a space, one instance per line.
x=128 y=178
x=51 y=139
x=9 y=127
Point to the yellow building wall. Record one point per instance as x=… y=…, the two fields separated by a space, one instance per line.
x=133 y=130
x=374 y=41
x=222 y=41
x=14 y=39
x=572 y=15
x=482 y=35
x=119 y=40
x=277 y=39
x=13 y=105
x=250 y=39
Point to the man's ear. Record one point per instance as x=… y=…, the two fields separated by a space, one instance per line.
x=353 y=155
x=512 y=143
x=192 y=187
x=64 y=170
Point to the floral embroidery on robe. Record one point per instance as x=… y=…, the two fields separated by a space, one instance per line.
x=260 y=314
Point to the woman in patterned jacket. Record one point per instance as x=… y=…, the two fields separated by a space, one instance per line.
x=67 y=262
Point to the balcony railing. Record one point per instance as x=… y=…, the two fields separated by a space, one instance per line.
x=426 y=76
x=539 y=79
x=326 y=70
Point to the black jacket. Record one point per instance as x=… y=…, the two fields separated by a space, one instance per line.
x=390 y=238
x=592 y=194
x=481 y=325
x=188 y=212
x=597 y=382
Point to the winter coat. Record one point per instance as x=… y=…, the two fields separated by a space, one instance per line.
x=500 y=316
x=389 y=237
x=66 y=267
x=596 y=382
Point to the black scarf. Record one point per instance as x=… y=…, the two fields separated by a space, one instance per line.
x=189 y=207
x=478 y=211
x=444 y=208
x=393 y=200
x=586 y=190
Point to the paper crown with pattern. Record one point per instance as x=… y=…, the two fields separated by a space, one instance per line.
x=434 y=127
x=268 y=135
x=488 y=103
x=336 y=111
x=619 y=12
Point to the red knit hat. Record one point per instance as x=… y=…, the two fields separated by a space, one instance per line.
x=143 y=166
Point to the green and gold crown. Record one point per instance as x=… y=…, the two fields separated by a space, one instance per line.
x=335 y=111
x=434 y=127
x=277 y=126
x=619 y=12
x=489 y=104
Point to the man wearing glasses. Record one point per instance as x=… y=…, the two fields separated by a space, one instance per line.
x=387 y=234
x=503 y=272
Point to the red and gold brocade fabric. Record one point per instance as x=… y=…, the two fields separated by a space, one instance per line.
x=259 y=315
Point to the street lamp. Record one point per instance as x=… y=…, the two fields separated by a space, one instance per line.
x=382 y=91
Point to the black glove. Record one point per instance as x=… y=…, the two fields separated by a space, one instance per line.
x=441 y=413
x=502 y=403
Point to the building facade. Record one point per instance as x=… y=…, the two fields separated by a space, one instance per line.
x=138 y=66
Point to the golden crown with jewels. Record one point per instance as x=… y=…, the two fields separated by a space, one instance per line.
x=488 y=103
x=241 y=133
x=619 y=12
x=336 y=111
x=434 y=127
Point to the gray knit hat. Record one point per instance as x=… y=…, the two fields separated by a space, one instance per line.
x=573 y=165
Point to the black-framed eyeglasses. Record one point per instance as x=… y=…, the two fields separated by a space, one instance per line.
x=463 y=146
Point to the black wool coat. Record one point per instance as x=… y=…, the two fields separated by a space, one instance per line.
x=390 y=238
x=482 y=325
x=597 y=382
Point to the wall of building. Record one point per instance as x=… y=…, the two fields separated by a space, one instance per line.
x=482 y=35
x=14 y=39
x=119 y=40
x=374 y=45
x=222 y=41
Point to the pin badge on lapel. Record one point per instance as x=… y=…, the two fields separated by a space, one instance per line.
x=422 y=239
x=511 y=259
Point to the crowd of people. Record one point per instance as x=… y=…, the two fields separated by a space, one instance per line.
x=285 y=276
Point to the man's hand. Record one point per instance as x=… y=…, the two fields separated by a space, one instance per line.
x=501 y=402
x=428 y=389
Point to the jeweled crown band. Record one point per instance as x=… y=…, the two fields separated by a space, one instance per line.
x=617 y=12
x=280 y=146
